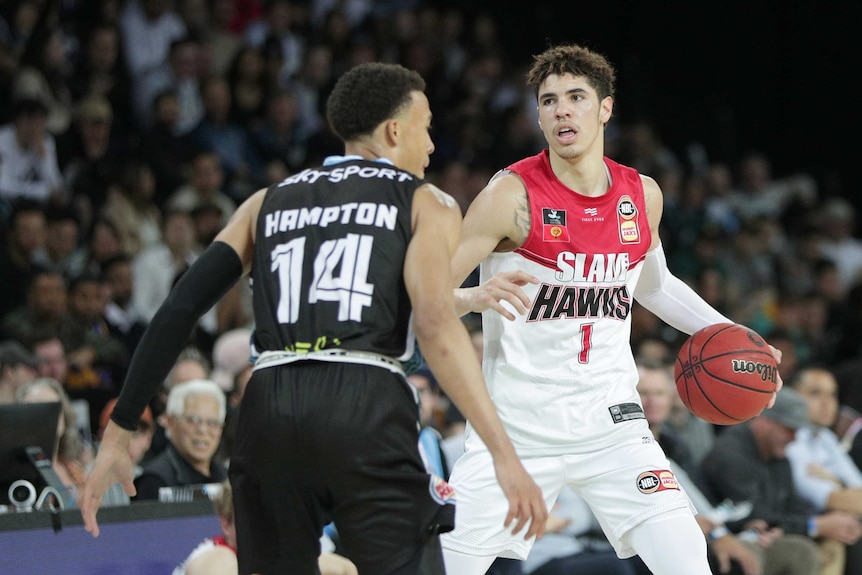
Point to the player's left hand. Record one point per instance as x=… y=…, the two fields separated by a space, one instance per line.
x=779 y=383
x=504 y=286
x=113 y=464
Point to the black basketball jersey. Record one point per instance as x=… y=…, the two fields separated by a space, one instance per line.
x=329 y=258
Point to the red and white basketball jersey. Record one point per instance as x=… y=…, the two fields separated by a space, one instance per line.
x=563 y=376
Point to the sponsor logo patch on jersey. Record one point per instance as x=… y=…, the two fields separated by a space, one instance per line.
x=441 y=491
x=627 y=219
x=554 y=225
x=657 y=480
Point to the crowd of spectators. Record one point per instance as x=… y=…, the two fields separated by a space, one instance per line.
x=130 y=130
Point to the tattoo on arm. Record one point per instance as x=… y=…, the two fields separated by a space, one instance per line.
x=522 y=219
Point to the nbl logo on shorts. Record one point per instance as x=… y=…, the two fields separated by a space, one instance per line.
x=441 y=491
x=659 y=480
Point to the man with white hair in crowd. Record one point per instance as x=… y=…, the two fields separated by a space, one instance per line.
x=195 y=417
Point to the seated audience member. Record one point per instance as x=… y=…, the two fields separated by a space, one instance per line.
x=138 y=446
x=823 y=473
x=22 y=236
x=69 y=458
x=51 y=355
x=190 y=365
x=45 y=309
x=195 y=418
x=17 y=367
x=425 y=384
x=217 y=555
x=748 y=463
x=847 y=426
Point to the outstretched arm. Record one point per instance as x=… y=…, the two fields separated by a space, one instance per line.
x=446 y=346
x=201 y=287
x=660 y=291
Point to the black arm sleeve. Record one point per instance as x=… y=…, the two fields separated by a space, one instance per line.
x=200 y=288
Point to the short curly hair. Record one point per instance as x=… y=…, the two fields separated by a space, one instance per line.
x=367 y=95
x=575 y=60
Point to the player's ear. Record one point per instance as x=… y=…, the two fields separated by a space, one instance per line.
x=392 y=130
x=607 y=110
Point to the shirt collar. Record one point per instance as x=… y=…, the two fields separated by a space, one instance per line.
x=330 y=160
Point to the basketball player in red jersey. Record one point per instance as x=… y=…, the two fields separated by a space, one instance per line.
x=566 y=239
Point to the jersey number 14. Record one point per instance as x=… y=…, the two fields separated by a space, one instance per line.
x=340 y=275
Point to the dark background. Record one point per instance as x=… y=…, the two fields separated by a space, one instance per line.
x=777 y=76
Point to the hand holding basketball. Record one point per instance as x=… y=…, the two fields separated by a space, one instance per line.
x=726 y=373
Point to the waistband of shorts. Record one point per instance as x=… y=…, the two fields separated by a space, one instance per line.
x=276 y=358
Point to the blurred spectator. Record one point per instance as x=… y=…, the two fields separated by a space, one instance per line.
x=51 y=354
x=837 y=218
x=195 y=418
x=103 y=244
x=62 y=239
x=97 y=357
x=311 y=86
x=148 y=28
x=120 y=315
x=180 y=73
x=166 y=149
x=281 y=137
x=131 y=205
x=45 y=309
x=24 y=237
x=28 y=153
x=69 y=458
x=90 y=158
x=759 y=195
x=204 y=187
x=102 y=72
x=208 y=220
x=248 y=86
x=17 y=367
x=44 y=76
x=277 y=23
x=156 y=268
x=224 y=42
x=231 y=355
x=218 y=132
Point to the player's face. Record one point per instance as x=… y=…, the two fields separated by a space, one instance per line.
x=415 y=141
x=571 y=116
x=820 y=390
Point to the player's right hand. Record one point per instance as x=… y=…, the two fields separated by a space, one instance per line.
x=113 y=464
x=502 y=287
x=526 y=504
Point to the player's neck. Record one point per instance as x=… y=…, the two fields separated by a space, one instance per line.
x=588 y=175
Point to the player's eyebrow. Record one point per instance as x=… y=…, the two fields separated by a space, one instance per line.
x=553 y=94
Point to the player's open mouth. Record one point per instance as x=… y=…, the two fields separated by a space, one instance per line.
x=566 y=135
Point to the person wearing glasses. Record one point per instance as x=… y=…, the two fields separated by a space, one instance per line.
x=195 y=419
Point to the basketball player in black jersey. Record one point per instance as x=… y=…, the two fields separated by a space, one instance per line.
x=348 y=261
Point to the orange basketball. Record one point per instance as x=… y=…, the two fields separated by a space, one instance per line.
x=725 y=373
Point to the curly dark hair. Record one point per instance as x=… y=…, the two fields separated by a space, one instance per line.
x=368 y=94
x=575 y=60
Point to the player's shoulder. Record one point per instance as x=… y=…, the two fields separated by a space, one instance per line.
x=504 y=185
x=436 y=196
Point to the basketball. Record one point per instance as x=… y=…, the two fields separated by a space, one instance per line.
x=725 y=373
